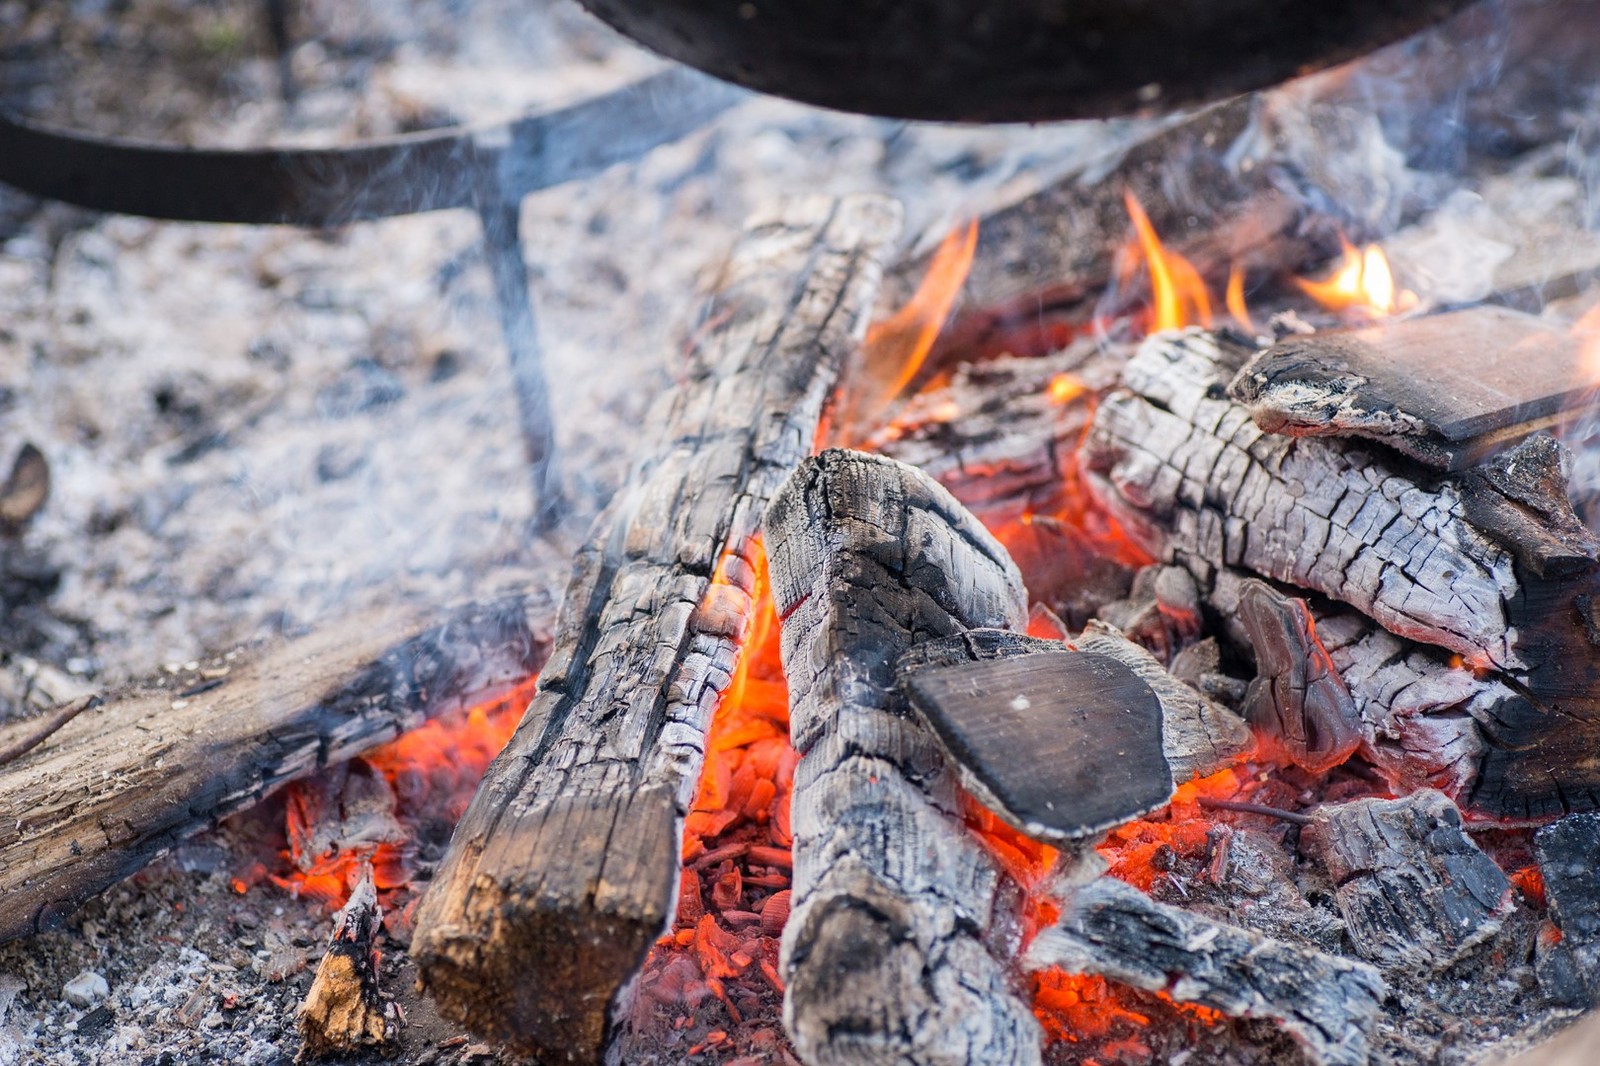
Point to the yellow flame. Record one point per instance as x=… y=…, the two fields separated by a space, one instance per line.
x=1362 y=279
x=1178 y=295
x=1064 y=388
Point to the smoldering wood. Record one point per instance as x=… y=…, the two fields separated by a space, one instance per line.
x=564 y=869
x=1444 y=389
x=1161 y=612
x=345 y=1011
x=1414 y=890
x=1186 y=470
x=153 y=766
x=1063 y=745
x=1567 y=852
x=1520 y=498
x=1002 y=436
x=1298 y=697
x=903 y=926
x=1186 y=467
x=1328 y=1003
x=1200 y=735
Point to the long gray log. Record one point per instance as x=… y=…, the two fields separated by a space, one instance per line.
x=898 y=946
x=1329 y=1004
x=565 y=867
x=151 y=767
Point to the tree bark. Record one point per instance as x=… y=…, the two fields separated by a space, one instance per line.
x=565 y=867
x=154 y=766
x=898 y=948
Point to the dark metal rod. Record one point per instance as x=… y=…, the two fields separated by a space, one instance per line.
x=503 y=245
x=429 y=171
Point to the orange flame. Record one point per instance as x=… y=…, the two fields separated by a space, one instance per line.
x=1587 y=330
x=896 y=347
x=1177 y=292
x=1235 y=298
x=1362 y=280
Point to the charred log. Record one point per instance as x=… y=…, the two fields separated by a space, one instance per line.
x=564 y=869
x=1329 y=1004
x=150 y=767
x=1414 y=890
x=898 y=945
x=1567 y=854
x=1204 y=487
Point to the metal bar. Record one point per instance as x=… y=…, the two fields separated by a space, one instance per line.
x=429 y=171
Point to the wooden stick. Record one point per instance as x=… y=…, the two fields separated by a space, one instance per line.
x=151 y=767
x=564 y=869
x=899 y=943
x=53 y=721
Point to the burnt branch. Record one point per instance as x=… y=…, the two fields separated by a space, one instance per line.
x=565 y=867
x=898 y=946
x=151 y=767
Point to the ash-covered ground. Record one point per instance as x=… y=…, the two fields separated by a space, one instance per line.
x=254 y=431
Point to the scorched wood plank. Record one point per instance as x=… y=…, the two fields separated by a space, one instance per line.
x=124 y=781
x=565 y=867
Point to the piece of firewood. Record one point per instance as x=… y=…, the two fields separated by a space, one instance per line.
x=1414 y=890
x=898 y=946
x=1329 y=1004
x=1186 y=470
x=1569 y=861
x=345 y=1011
x=1063 y=745
x=1298 y=696
x=151 y=767
x=565 y=867
x=1444 y=389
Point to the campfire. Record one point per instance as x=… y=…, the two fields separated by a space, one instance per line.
x=1151 y=619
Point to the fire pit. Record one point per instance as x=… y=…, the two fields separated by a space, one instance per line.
x=1152 y=621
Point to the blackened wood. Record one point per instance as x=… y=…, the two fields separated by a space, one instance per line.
x=1329 y=1004
x=1520 y=499
x=1444 y=389
x=345 y=1011
x=1186 y=470
x=898 y=946
x=565 y=867
x=151 y=767
x=1297 y=697
x=1200 y=735
x=1161 y=612
x=1062 y=746
x=1414 y=890
x=1569 y=860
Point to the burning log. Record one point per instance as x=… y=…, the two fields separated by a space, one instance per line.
x=345 y=1013
x=898 y=945
x=153 y=766
x=1201 y=485
x=1329 y=1004
x=565 y=867
x=1414 y=890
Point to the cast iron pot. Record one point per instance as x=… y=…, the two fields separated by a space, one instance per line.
x=1013 y=60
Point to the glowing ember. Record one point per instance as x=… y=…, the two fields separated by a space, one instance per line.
x=734 y=889
x=1361 y=281
x=1064 y=388
x=431 y=773
x=897 y=346
x=1587 y=330
x=1178 y=295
